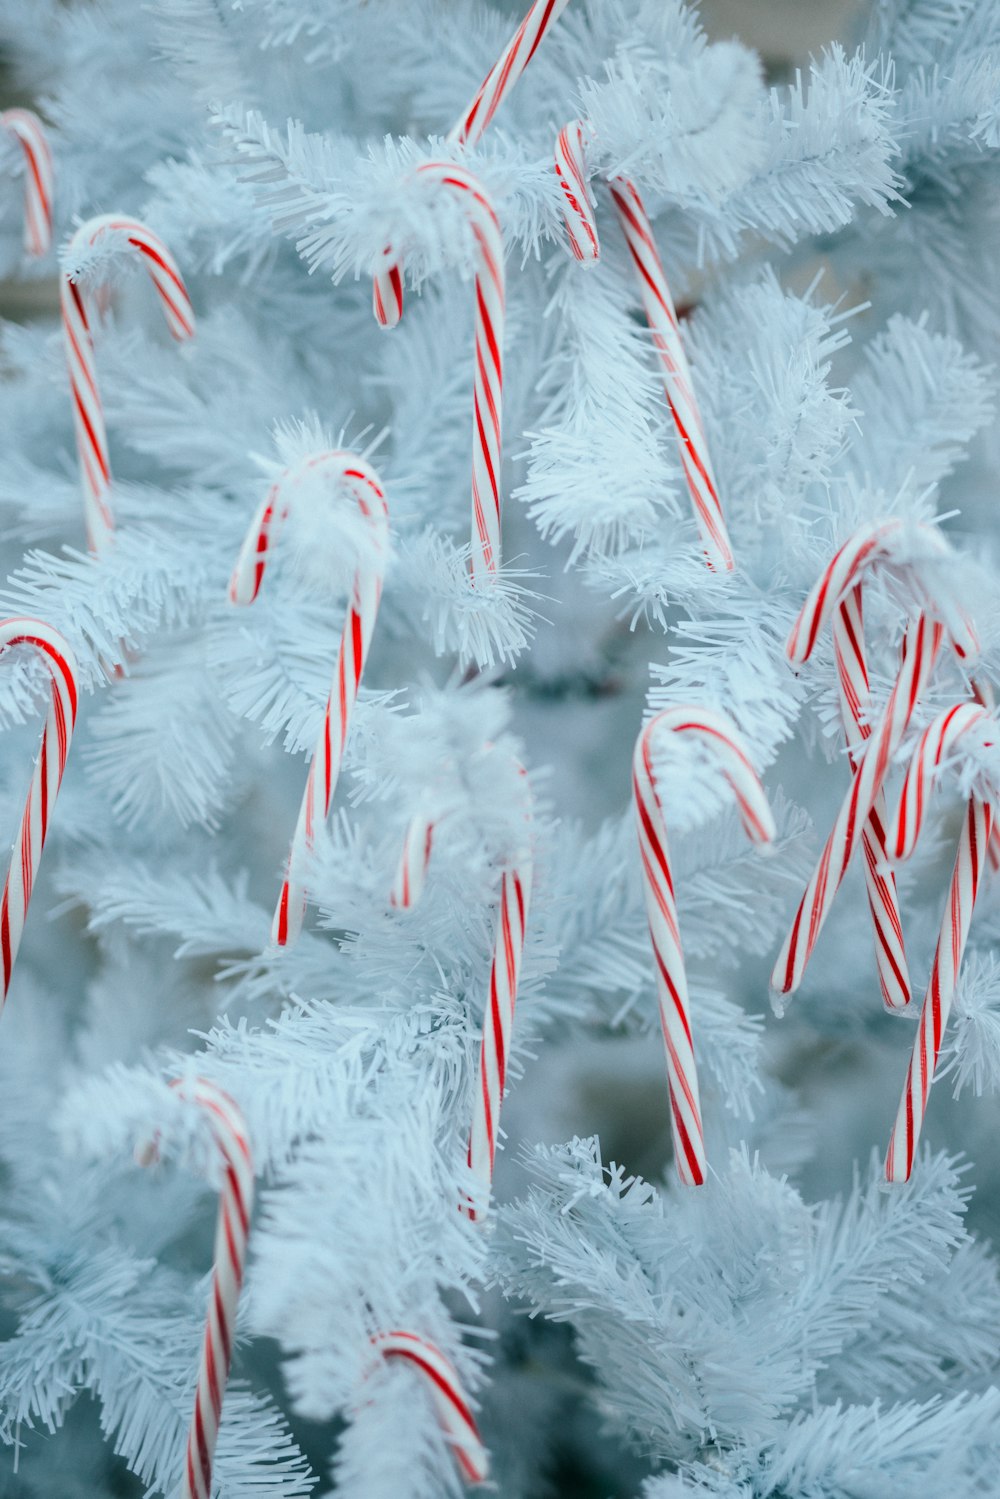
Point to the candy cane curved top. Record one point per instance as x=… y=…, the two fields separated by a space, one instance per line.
x=936 y=744
x=30 y=135
x=488 y=376
x=232 y=1140
x=450 y=1403
x=358 y=480
x=845 y=570
x=506 y=71
x=46 y=778
x=720 y=737
x=88 y=410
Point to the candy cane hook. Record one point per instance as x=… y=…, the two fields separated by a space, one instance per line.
x=921 y=646
x=449 y=1400
x=28 y=131
x=358 y=480
x=232 y=1140
x=505 y=72
x=718 y=735
x=937 y=743
x=488 y=376
x=46 y=779
x=88 y=410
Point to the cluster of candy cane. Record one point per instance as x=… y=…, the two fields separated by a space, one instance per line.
x=46 y=778
x=937 y=743
x=26 y=128
x=350 y=475
x=88 y=409
x=718 y=735
x=871 y=545
x=581 y=224
x=505 y=970
x=231 y=1139
x=450 y=1404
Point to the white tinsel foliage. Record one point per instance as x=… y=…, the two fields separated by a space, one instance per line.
x=792 y=1330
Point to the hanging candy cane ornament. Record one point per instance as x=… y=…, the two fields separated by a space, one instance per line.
x=46 y=779
x=720 y=737
x=505 y=72
x=855 y=705
x=921 y=646
x=28 y=131
x=232 y=1141
x=487 y=399
x=982 y=691
x=450 y=1404
x=88 y=410
x=414 y=861
x=358 y=480
x=574 y=179
x=937 y=743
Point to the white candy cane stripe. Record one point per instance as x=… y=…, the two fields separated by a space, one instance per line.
x=88 y=410
x=498 y=1019
x=721 y=738
x=855 y=705
x=936 y=743
x=414 y=861
x=923 y=642
x=450 y=1404
x=29 y=132
x=506 y=71
x=232 y=1140
x=354 y=477
x=488 y=376
x=574 y=179
x=46 y=778
x=662 y=319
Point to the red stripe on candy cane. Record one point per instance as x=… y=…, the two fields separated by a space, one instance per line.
x=938 y=743
x=352 y=476
x=57 y=734
x=450 y=1404
x=88 y=410
x=505 y=72
x=28 y=131
x=490 y=294
x=721 y=738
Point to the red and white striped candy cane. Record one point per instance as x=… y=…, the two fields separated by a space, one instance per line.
x=450 y=1403
x=232 y=1140
x=488 y=376
x=719 y=736
x=506 y=71
x=28 y=131
x=88 y=410
x=855 y=705
x=414 y=861
x=982 y=691
x=937 y=743
x=923 y=640
x=574 y=179
x=359 y=481
x=46 y=779
x=663 y=325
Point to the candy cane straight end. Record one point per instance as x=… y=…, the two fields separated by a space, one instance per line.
x=27 y=129
x=505 y=72
x=447 y=1396
x=578 y=211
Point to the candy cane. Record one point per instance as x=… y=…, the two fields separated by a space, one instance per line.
x=982 y=691
x=450 y=1403
x=506 y=71
x=488 y=378
x=88 y=411
x=231 y=1139
x=574 y=179
x=28 y=131
x=414 y=861
x=46 y=779
x=855 y=705
x=719 y=735
x=923 y=641
x=359 y=480
x=936 y=743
